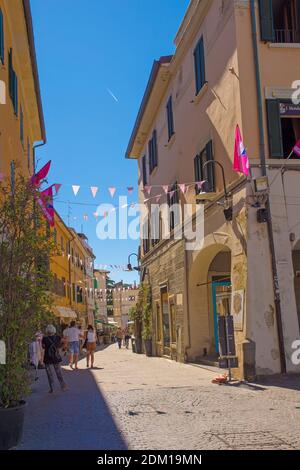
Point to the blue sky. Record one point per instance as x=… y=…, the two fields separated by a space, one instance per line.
x=84 y=48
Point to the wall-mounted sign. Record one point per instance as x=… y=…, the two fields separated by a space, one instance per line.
x=237 y=308
x=289 y=109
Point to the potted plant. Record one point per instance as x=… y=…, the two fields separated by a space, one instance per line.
x=25 y=300
x=147 y=318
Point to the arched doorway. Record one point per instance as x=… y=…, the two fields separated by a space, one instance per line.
x=209 y=296
x=296 y=266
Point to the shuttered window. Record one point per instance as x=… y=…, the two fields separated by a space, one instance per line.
x=274 y=129
x=173 y=202
x=1 y=37
x=13 y=83
x=152 y=151
x=199 y=64
x=266 y=20
x=207 y=173
x=144 y=170
x=170 y=118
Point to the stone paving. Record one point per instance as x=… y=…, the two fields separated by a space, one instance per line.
x=134 y=402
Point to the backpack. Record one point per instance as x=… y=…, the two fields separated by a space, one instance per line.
x=53 y=352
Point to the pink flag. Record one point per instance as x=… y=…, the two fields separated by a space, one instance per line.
x=165 y=188
x=157 y=198
x=96 y=215
x=45 y=201
x=40 y=175
x=112 y=191
x=147 y=189
x=130 y=189
x=241 y=160
x=182 y=188
x=57 y=187
x=94 y=190
x=296 y=149
x=200 y=184
x=171 y=194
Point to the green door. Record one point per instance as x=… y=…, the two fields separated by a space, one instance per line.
x=221 y=292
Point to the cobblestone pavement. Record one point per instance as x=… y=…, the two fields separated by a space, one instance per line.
x=131 y=401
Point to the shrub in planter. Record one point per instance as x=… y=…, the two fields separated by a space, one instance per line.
x=25 y=299
x=147 y=319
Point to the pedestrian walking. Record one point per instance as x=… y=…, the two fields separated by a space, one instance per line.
x=127 y=338
x=119 y=336
x=51 y=344
x=90 y=344
x=73 y=335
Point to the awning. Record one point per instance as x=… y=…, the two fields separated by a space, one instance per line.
x=64 y=312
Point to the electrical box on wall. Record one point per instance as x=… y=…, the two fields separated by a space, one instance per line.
x=262 y=216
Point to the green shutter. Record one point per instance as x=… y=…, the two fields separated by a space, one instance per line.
x=274 y=129
x=210 y=169
x=199 y=63
x=266 y=20
x=202 y=62
x=1 y=38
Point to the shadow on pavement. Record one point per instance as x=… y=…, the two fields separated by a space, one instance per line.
x=76 y=419
x=288 y=381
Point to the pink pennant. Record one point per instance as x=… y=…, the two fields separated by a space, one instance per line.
x=200 y=184
x=75 y=188
x=171 y=194
x=112 y=191
x=130 y=189
x=166 y=188
x=157 y=198
x=182 y=188
x=147 y=189
x=94 y=190
x=57 y=187
x=96 y=215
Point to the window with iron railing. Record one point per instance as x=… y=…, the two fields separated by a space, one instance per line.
x=280 y=21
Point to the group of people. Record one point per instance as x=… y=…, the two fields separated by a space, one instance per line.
x=48 y=349
x=122 y=335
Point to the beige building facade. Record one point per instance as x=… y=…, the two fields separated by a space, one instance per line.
x=235 y=63
x=125 y=297
x=100 y=286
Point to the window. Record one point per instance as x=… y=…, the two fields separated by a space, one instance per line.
x=21 y=125
x=63 y=287
x=62 y=244
x=145 y=232
x=206 y=173
x=280 y=20
x=283 y=127
x=155 y=225
x=199 y=63
x=13 y=83
x=152 y=150
x=55 y=235
x=173 y=202
x=173 y=320
x=73 y=292
x=170 y=117
x=144 y=170
x=1 y=37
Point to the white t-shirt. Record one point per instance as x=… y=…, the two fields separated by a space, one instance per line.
x=91 y=337
x=73 y=334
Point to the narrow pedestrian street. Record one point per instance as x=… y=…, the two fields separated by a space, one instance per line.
x=130 y=401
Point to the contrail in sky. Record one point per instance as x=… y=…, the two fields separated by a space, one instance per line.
x=112 y=95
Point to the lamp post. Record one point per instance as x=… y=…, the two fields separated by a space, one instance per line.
x=228 y=202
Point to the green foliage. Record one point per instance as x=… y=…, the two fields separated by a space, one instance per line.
x=25 y=299
x=146 y=311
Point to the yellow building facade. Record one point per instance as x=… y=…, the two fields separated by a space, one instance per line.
x=21 y=113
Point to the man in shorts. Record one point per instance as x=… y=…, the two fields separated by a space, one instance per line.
x=73 y=335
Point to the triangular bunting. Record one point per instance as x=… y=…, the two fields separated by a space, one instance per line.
x=112 y=191
x=94 y=190
x=182 y=188
x=148 y=189
x=130 y=189
x=165 y=188
x=57 y=187
x=75 y=188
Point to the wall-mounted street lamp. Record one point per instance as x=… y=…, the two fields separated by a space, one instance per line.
x=129 y=265
x=207 y=194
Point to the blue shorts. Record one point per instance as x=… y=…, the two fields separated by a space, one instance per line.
x=74 y=347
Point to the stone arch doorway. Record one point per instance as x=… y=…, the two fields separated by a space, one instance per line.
x=209 y=296
x=296 y=266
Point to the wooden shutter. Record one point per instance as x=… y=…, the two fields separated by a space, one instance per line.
x=10 y=74
x=274 y=129
x=154 y=143
x=199 y=63
x=1 y=37
x=197 y=172
x=144 y=170
x=170 y=118
x=210 y=170
x=267 y=31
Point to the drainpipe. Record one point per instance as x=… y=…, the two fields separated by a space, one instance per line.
x=264 y=173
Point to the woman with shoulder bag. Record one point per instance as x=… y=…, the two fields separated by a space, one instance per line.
x=90 y=344
x=51 y=344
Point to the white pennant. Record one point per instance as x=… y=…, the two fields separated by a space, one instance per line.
x=94 y=190
x=112 y=191
x=75 y=189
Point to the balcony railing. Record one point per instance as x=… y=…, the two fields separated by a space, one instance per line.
x=285 y=36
